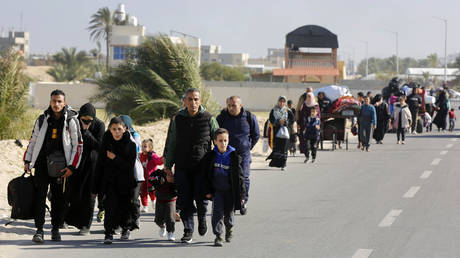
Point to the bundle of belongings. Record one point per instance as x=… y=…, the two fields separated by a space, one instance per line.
x=340 y=98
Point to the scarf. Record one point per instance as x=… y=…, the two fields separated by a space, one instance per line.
x=312 y=101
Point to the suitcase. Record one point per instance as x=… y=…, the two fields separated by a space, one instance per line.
x=21 y=196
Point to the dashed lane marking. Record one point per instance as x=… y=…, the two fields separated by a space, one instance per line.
x=390 y=218
x=449 y=145
x=435 y=162
x=412 y=192
x=362 y=253
x=444 y=152
x=454 y=139
x=426 y=174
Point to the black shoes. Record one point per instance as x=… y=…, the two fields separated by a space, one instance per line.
x=244 y=209
x=187 y=238
x=202 y=228
x=228 y=234
x=108 y=239
x=55 y=235
x=218 y=241
x=38 y=237
x=125 y=235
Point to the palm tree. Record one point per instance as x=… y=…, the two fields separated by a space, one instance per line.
x=71 y=65
x=100 y=27
x=149 y=87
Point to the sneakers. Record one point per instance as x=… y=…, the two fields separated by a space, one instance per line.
x=125 y=235
x=398 y=142
x=108 y=239
x=402 y=142
x=171 y=236
x=187 y=238
x=84 y=231
x=144 y=209
x=306 y=160
x=202 y=227
x=55 y=235
x=100 y=216
x=218 y=241
x=162 y=232
x=284 y=169
x=228 y=235
x=244 y=209
x=313 y=161
x=118 y=231
x=38 y=237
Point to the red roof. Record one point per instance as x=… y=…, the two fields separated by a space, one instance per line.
x=301 y=71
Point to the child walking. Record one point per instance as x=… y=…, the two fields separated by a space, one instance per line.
x=165 y=208
x=312 y=132
x=452 y=118
x=150 y=160
x=224 y=184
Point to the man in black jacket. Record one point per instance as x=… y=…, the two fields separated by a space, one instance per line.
x=190 y=135
x=415 y=102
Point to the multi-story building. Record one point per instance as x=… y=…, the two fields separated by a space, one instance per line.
x=210 y=54
x=17 y=41
x=191 y=42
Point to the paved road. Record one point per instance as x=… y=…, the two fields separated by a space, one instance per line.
x=395 y=201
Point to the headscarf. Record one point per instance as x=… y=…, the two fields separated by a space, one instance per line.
x=280 y=113
x=128 y=122
x=312 y=101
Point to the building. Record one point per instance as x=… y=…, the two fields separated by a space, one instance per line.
x=210 y=53
x=310 y=56
x=123 y=39
x=18 y=41
x=432 y=73
x=191 y=42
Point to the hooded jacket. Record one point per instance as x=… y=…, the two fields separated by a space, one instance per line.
x=72 y=140
x=406 y=116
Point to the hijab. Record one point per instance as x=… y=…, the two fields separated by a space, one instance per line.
x=312 y=102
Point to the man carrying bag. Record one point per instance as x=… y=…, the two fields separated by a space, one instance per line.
x=54 y=151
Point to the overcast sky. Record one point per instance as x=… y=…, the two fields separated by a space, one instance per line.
x=251 y=26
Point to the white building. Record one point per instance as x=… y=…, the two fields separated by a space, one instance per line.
x=123 y=39
x=17 y=41
x=414 y=73
x=191 y=42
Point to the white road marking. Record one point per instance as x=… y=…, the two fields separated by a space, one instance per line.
x=390 y=218
x=449 y=145
x=362 y=253
x=426 y=174
x=444 y=152
x=435 y=162
x=412 y=192
x=454 y=139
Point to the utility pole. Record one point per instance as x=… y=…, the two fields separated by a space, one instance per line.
x=367 y=57
x=445 y=47
x=397 y=50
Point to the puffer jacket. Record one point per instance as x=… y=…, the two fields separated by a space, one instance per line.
x=405 y=116
x=71 y=138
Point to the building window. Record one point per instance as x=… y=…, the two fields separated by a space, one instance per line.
x=122 y=53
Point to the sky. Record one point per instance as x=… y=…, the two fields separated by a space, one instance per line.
x=251 y=26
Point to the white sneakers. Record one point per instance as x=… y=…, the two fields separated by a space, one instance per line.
x=144 y=209
x=162 y=232
x=171 y=236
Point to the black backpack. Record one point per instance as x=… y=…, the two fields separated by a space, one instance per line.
x=21 y=196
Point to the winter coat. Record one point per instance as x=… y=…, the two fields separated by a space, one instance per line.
x=243 y=136
x=119 y=172
x=71 y=138
x=236 y=177
x=150 y=161
x=406 y=116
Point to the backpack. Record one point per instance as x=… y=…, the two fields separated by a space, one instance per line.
x=21 y=196
x=249 y=120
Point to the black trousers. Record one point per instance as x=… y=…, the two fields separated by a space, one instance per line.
x=401 y=132
x=118 y=210
x=414 y=119
x=59 y=199
x=135 y=204
x=311 y=146
x=165 y=214
x=188 y=184
x=366 y=133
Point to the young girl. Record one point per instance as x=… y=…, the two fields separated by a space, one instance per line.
x=115 y=179
x=401 y=119
x=150 y=160
x=312 y=133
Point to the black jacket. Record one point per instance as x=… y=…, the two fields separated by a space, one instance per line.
x=119 y=172
x=236 y=177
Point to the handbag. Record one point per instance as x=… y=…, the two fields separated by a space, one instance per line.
x=56 y=162
x=138 y=170
x=283 y=133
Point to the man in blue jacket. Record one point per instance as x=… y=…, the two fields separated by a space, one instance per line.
x=244 y=134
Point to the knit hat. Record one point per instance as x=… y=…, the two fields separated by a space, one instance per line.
x=87 y=110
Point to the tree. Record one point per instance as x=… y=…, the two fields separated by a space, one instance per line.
x=71 y=65
x=218 y=72
x=14 y=86
x=149 y=87
x=100 y=27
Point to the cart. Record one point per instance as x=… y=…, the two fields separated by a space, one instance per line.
x=333 y=127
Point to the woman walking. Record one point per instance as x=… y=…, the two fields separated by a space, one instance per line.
x=401 y=119
x=115 y=179
x=442 y=107
x=281 y=118
x=304 y=113
x=367 y=121
x=383 y=117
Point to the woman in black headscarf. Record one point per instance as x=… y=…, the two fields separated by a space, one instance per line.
x=81 y=209
x=442 y=110
x=383 y=117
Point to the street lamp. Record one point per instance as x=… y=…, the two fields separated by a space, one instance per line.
x=445 y=47
x=367 y=58
x=397 y=51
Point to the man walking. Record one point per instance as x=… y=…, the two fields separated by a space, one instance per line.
x=54 y=150
x=190 y=137
x=244 y=134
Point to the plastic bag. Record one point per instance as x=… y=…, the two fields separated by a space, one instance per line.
x=283 y=133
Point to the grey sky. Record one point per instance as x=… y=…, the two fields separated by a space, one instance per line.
x=251 y=26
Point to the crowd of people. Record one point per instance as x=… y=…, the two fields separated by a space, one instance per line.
x=81 y=161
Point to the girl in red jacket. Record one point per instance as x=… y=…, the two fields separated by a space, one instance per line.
x=150 y=160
